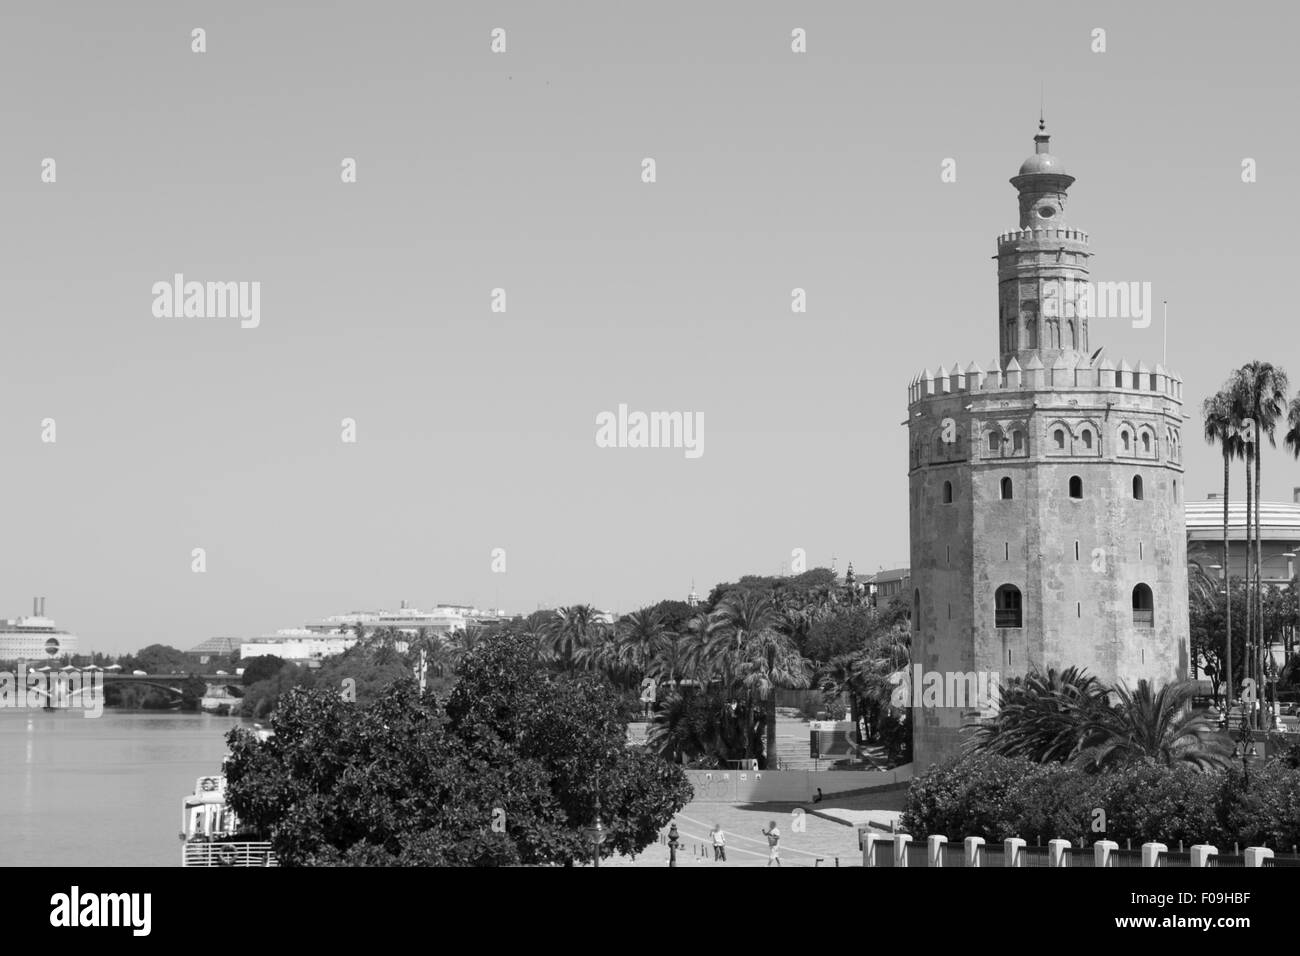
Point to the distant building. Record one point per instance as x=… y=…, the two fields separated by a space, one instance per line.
x=300 y=646
x=34 y=638
x=887 y=585
x=214 y=647
x=1279 y=535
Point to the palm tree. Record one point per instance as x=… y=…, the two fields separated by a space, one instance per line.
x=1221 y=427
x=569 y=631
x=752 y=654
x=769 y=660
x=1291 y=441
x=1265 y=389
x=643 y=640
x=1153 y=725
x=1043 y=717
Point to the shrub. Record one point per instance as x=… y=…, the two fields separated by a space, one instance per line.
x=997 y=797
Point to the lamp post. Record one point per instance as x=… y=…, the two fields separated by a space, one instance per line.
x=596 y=833
x=672 y=844
x=1244 y=748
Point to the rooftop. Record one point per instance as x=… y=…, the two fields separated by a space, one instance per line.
x=1277 y=519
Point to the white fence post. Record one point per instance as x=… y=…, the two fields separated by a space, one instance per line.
x=1058 y=852
x=1256 y=855
x=934 y=850
x=901 y=840
x=1103 y=852
x=1011 y=852
x=1203 y=853
x=974 y=851
x=1153 y=854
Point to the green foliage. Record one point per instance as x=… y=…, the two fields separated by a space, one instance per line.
x=997 y=797
x=261 y=668
x=157 y=659
x=1068 y=716
x=401 y=781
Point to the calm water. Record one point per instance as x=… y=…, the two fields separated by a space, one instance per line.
x=100 y=792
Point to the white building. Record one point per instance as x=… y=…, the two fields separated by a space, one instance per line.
x=34 y=638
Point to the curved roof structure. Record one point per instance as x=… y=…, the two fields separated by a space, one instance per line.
x=1279 y=520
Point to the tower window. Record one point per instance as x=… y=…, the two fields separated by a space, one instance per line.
x=1143 y=607
x=1076 y=551
x=1137 y=487
x=1087 y=438
x=1175 y=491
x=916 y=609
x=1007 y=603
x=1076 y=486
x=1146 y=443
x=947 y=492
x=993 y=443
x=1006 y=489
x=1058 y=436
x=1017 y=442
x=1123 y=440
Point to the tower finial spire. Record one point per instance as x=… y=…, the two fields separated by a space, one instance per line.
x=1042 y=96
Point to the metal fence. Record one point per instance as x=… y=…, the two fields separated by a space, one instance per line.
x=228 y=854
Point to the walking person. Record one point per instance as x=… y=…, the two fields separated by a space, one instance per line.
x=719 y=843
x=773 y=843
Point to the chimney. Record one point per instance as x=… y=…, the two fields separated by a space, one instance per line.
x=35 y=604
x=42 y=607
x=1295 y=495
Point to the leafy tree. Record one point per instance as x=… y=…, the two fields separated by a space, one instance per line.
x=192 y=690
x=160 y=659
x=508 y=773
x=261 y=668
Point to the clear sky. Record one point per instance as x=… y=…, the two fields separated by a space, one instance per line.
x=522 y=171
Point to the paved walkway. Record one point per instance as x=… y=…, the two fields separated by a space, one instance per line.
x=746 y=845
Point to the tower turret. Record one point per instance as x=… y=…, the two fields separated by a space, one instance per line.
x=1043 y=269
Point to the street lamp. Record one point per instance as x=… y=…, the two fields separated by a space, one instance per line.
x=672 y=844
x=596 y=833
x=1244 y=748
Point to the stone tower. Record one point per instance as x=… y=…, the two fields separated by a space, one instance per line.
x=1047 y=523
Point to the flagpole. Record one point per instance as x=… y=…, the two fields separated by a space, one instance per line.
x=1166 y=344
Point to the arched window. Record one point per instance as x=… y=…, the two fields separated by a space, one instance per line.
x=1137 y=487
x=1086 y=435
x=1123 y=440
x=1076 y=486
x=1007 y=606
x=916 y=609
x=947 y=492
x=1146 y=443
x=1006 y=489
x=993 y=443
x=1144 y=613
x=1058 y=436
x=1017 y=441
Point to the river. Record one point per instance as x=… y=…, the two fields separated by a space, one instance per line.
x=104 y=791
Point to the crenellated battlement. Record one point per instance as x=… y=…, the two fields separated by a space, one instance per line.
x=1042 y=235
x=1125 y=378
